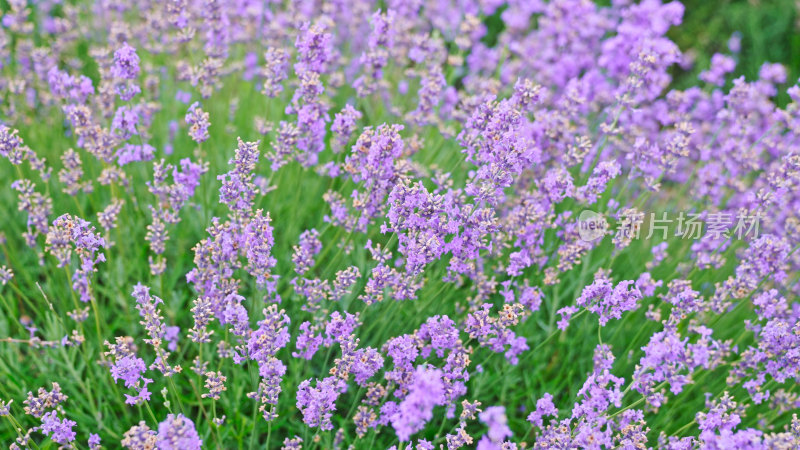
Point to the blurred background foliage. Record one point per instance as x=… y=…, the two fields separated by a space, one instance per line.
x=769 y=32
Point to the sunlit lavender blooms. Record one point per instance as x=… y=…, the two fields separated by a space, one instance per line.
x=177 y=432
x=403 y=224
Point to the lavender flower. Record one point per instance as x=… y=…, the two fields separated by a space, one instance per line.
x=275 y=70
x=59 y=430
x=304 y=252
x=126 y=69
x=72 y=173
x=129 y=153
x=608 y=301
x=425 y=392
x=125 y=122
x=314 y=55
x=344 y=123
x=6 y=275
x=376 y=56
x=463 y=213
x=38 y=207
x=318 y=403
x=11 y=146
x=177 y=432
x=38 y=405
x=544 y=407
x=68 y=231
x=139 y=436
x=198 y=122
x=721 y=65
x=128 y=367
x=495 y=418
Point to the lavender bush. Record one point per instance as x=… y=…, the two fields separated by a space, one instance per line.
x=358 y=224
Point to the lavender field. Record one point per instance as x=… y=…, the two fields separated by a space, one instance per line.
x=407 y=224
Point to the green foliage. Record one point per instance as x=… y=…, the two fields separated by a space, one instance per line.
x=769 y=31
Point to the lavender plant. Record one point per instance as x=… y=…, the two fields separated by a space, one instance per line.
x=361 y=224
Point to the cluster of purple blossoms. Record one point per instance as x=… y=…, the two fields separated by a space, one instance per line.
x=65 y=86
x=68 y=231
x=275 y=71
x=670 y=359
x=198 y=122
x=544 y=408
x=592 y=423
x=421 y=222
x=38 y=206
x=775 y=353
x=139 y=436
x=460 y=437
x=152 y=321
x=439 y=338
x=318 y=403
x=11 y=145
x=215 y=383
x=108 y=217
x=263 y=344
x=177 y=432
x=495 y=419
x=71 y=176
x=125 y=122
x=315 y=53
x=216 y=260
x=376 y=56
x=38 y=405
x=6 y=275
x=130 y=153
x=400 y=285
x=171 y=199
x=124 y=71
x=496 y=332
x=59 y=430
x=316 y=290
x=375 y=164
x=425 y=391
x=433 y=84
x=604 y=299
x=343 y=126
x=94 y=442
x=237 y=191
x=476 y=148
x=306 y=250
x=129 y=368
